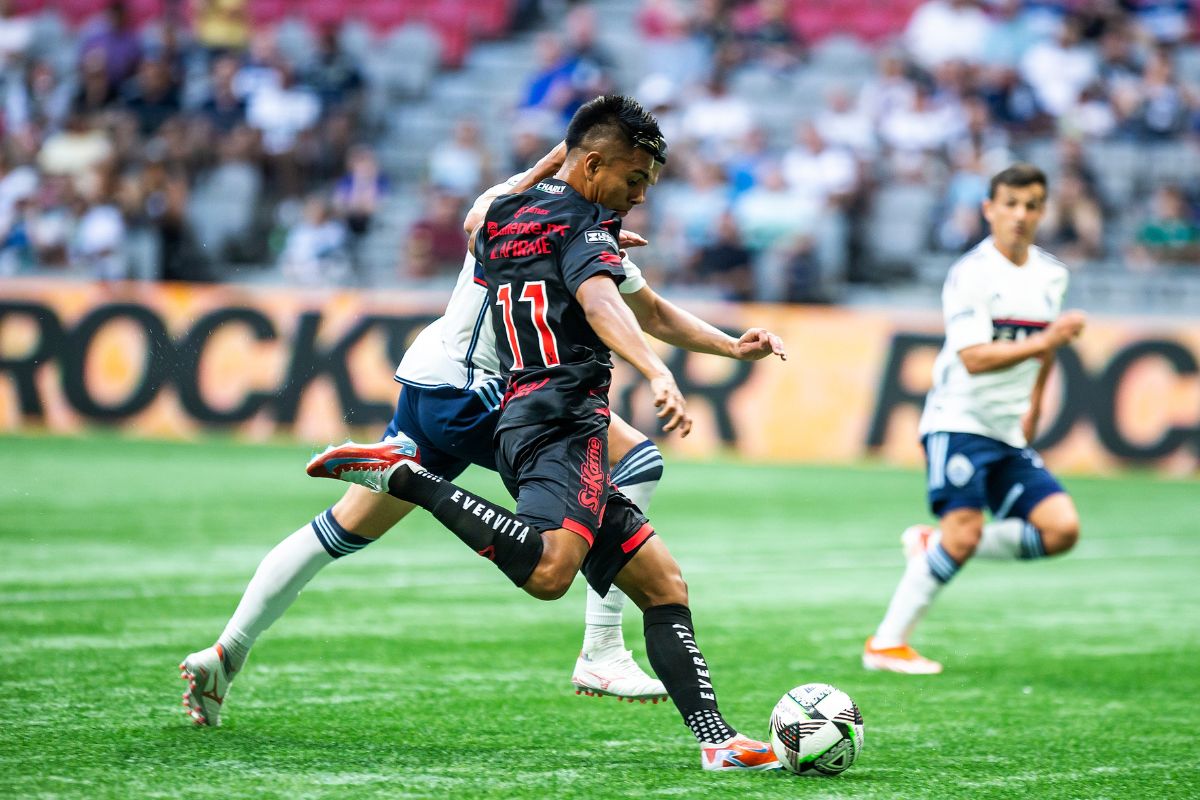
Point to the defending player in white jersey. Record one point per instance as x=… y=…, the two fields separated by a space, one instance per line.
x=1001 y=303
x=450 y=406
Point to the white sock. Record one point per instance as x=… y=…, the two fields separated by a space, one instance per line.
x=277 y=582
x=1010 y=539
x=602 y=633
x=912 y=598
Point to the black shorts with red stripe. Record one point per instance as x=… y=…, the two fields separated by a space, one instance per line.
x=558 y=471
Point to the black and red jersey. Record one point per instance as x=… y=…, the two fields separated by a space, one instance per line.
x=537 y=248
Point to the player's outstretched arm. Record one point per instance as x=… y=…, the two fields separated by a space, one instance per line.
x=618 y=328
x=669 y=323
x=1029 y=422
x=992 y=356
x=546 y=166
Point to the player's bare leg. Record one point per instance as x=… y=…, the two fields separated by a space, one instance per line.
x=653 y=580
x=933 y=560
x=358 y=518
x=605 y=667
x=1056 y=518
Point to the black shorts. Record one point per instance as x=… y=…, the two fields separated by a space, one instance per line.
x=558 y=471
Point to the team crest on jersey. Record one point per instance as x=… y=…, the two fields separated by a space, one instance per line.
x=959 y=469
x=601 y=237
x=550 y=188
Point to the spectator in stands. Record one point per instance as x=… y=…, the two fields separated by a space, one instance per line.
x=1170 y=235
x=843 y=123
x=717 y=119
x=1059 y=69
x=748 y=159
x=772 y=214
x=16 y=35
x=915 y=134
x=1163 y=108
x=828 y=174
x=118 y=44
x=671 y=49
x=1009 y=36
x=79 y=147
x=947 y=30
x=724 y=264
x=1073 y=226
x=436 y=242
x=962 y=224
x=357 y=196
x=223 y=108
x=95 y=91
x=461 y=167
x=889 y=90
x=314 y=253
x=689 y=211
x=769 y=40
x=35 y=100
x=282 y=113
x=97 y=244
x=335 y=76
x=152 y=96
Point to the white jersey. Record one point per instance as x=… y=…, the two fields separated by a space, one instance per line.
x=988 y=298
x=459 y=348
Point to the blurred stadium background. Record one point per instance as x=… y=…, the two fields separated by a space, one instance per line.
x=225 y=219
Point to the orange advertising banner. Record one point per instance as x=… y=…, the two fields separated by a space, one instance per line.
x=177 y=360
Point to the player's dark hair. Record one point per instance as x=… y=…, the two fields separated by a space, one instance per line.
x=1018 y=175
x=618 y=116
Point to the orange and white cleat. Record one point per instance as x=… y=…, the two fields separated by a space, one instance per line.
x=369 y=465
x=903 y=659
x=738 y=753
x=208 y=684
x=616 y=675
x=917 y=539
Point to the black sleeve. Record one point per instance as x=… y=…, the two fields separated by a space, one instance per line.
x=592 y=251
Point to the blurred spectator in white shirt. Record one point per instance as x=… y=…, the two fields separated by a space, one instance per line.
x=828 y=174
x=461 y=166
x=1059 y=69
x=947 y=30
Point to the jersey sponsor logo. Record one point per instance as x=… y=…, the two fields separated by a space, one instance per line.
x=959 y=470
x=516 y=228
x=550 y=188
x=520 y=248
x=525 y=389
x=535 y=210
x=591 y=475
x=601 y=237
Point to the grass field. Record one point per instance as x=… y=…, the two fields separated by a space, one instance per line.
x=414 y=669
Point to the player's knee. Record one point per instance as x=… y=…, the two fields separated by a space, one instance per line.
x=548 y=586
x=667 y=589
x=1062 y=536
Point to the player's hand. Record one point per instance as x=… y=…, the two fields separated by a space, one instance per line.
x=632 y=239
x=671 y=405
x=1067 y=327
x=758 y=343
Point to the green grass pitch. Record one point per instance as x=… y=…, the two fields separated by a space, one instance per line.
x=414 y=670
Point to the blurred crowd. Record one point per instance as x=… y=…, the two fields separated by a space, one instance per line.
x=798 y=163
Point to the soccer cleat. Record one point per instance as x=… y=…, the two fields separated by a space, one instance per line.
x=903 y=659
x=617 y=675
x=369 y=465
x=208 y=685
x=738 y=753
x=916 y=540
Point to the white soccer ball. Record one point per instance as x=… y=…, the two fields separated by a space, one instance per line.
x=816 y=730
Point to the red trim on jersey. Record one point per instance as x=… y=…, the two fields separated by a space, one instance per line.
x=481 y=282
x=1020 y=323
x=579 y=528
x=642 y=535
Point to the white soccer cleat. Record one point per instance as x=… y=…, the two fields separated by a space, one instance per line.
x=739 y=753
x=208 y=685
x=369 y=465
x=902 y=659
x=917 y=539
x=616 y=675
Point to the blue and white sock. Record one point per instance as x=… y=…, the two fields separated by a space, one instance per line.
x=280 y=576
x=941 y=565
x=1010 y=539
x=637 y=474
x=923 y=578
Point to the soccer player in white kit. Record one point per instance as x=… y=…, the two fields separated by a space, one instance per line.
x=1001 y=303
x=450 y=407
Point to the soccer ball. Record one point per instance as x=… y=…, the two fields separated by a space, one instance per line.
x=816 y=730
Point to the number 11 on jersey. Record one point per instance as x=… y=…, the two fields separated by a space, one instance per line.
x=534 y=293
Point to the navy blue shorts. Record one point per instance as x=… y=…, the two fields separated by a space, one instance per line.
x=970 y=471
x=454 y=428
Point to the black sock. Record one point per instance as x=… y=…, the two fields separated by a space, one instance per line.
x=490 y=530
x=679 y=664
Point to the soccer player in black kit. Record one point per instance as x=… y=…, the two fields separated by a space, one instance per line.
x=552 y=264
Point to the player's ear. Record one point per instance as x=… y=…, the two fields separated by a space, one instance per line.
x=592 y=163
